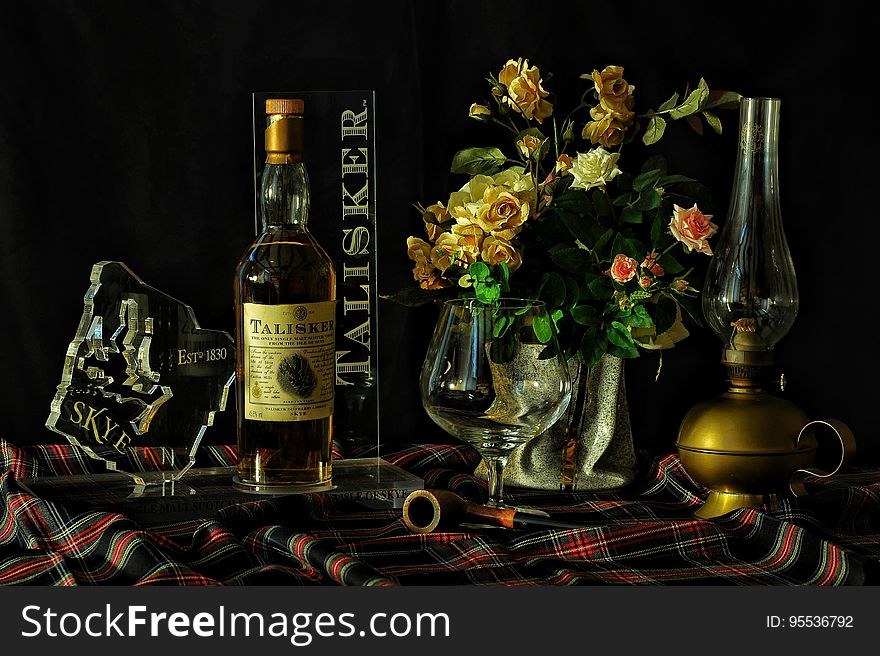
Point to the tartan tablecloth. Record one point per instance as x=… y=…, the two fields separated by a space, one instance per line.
x=641 y=535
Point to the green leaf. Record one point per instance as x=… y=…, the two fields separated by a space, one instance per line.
x=694 y=124
x=655 y=163
x=638 y=318
x=650 y=200
x=572 y=292
x=549 y=351
x=572 y=260
x=603 y=239
x=553 y=290
x=666 y=314
x=654 y=131
x=454 y=272
x=631 y=215
x=618 y=352
x=669 y=104
x=476 y=161
x=619 y=336
x=713 y=121
x=501 y=324
x=575 y=201
x=673 y=179
x=623 y=200
x=586 y=315
x=600 y=202
x=629 y=247
x=657 y=231
x=670 y=264
x=503 y=276
x=487 y=294
x=646 y=180
x=693 y=103
x=722 y=100
x=480 y=271
x=502 y=350
x=414 y=296
x=690 y=312
x=593 y=346
x=598 y=286
x=584 y=228
x=543 y=329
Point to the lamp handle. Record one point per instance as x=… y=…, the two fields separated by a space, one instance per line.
x=828 y=468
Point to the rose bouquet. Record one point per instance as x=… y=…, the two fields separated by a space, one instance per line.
x=556 y=216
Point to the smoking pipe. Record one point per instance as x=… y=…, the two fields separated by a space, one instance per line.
x=426 y=510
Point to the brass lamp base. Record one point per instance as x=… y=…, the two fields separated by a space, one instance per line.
x=746 y=444
x=750 y=447
x=721 y=503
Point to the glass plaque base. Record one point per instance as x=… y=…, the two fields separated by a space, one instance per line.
x=372 y=482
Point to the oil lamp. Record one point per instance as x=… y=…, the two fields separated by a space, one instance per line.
x=747 y=445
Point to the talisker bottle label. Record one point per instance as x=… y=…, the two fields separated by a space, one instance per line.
x=289 y=361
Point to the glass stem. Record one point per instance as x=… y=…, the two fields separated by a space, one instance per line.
x=495 y=467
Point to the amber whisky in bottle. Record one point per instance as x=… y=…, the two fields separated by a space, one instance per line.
x=285 y=311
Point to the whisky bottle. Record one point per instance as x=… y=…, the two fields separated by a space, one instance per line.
x=285 y=312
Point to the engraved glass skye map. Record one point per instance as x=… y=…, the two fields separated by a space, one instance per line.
x=140 y=372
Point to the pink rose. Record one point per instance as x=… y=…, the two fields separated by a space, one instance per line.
x=623 y=268
x=651 y=264
x=680 y=285
x=645 y=281
x=692 y=228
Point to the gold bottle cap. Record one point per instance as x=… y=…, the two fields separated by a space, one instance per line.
x=285 y=106
x=284 y=133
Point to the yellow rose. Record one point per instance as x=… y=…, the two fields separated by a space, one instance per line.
x=497 y=250
x=424 y=271
x=498 y=204
x=529 y=145
x=445 y=251
x=604 y=129
x=621 y=109
x=614 y=114
x=563 y=164
x=506 y=211
x=470 y=240
x=610 y=82
x=479 y=112
x=433 y=216
x=433 y=231
x=433 y=280
x=418 y=249
x=525 y=91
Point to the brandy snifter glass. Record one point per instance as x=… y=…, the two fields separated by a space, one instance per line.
x=494 y=378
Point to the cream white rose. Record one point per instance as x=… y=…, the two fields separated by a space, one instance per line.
x=595 y=168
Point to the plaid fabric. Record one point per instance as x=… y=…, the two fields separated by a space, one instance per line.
x=642 y=535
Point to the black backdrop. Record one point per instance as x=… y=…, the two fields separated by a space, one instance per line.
x=125 y=133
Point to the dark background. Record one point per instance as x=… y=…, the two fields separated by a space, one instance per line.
x=125 y=133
